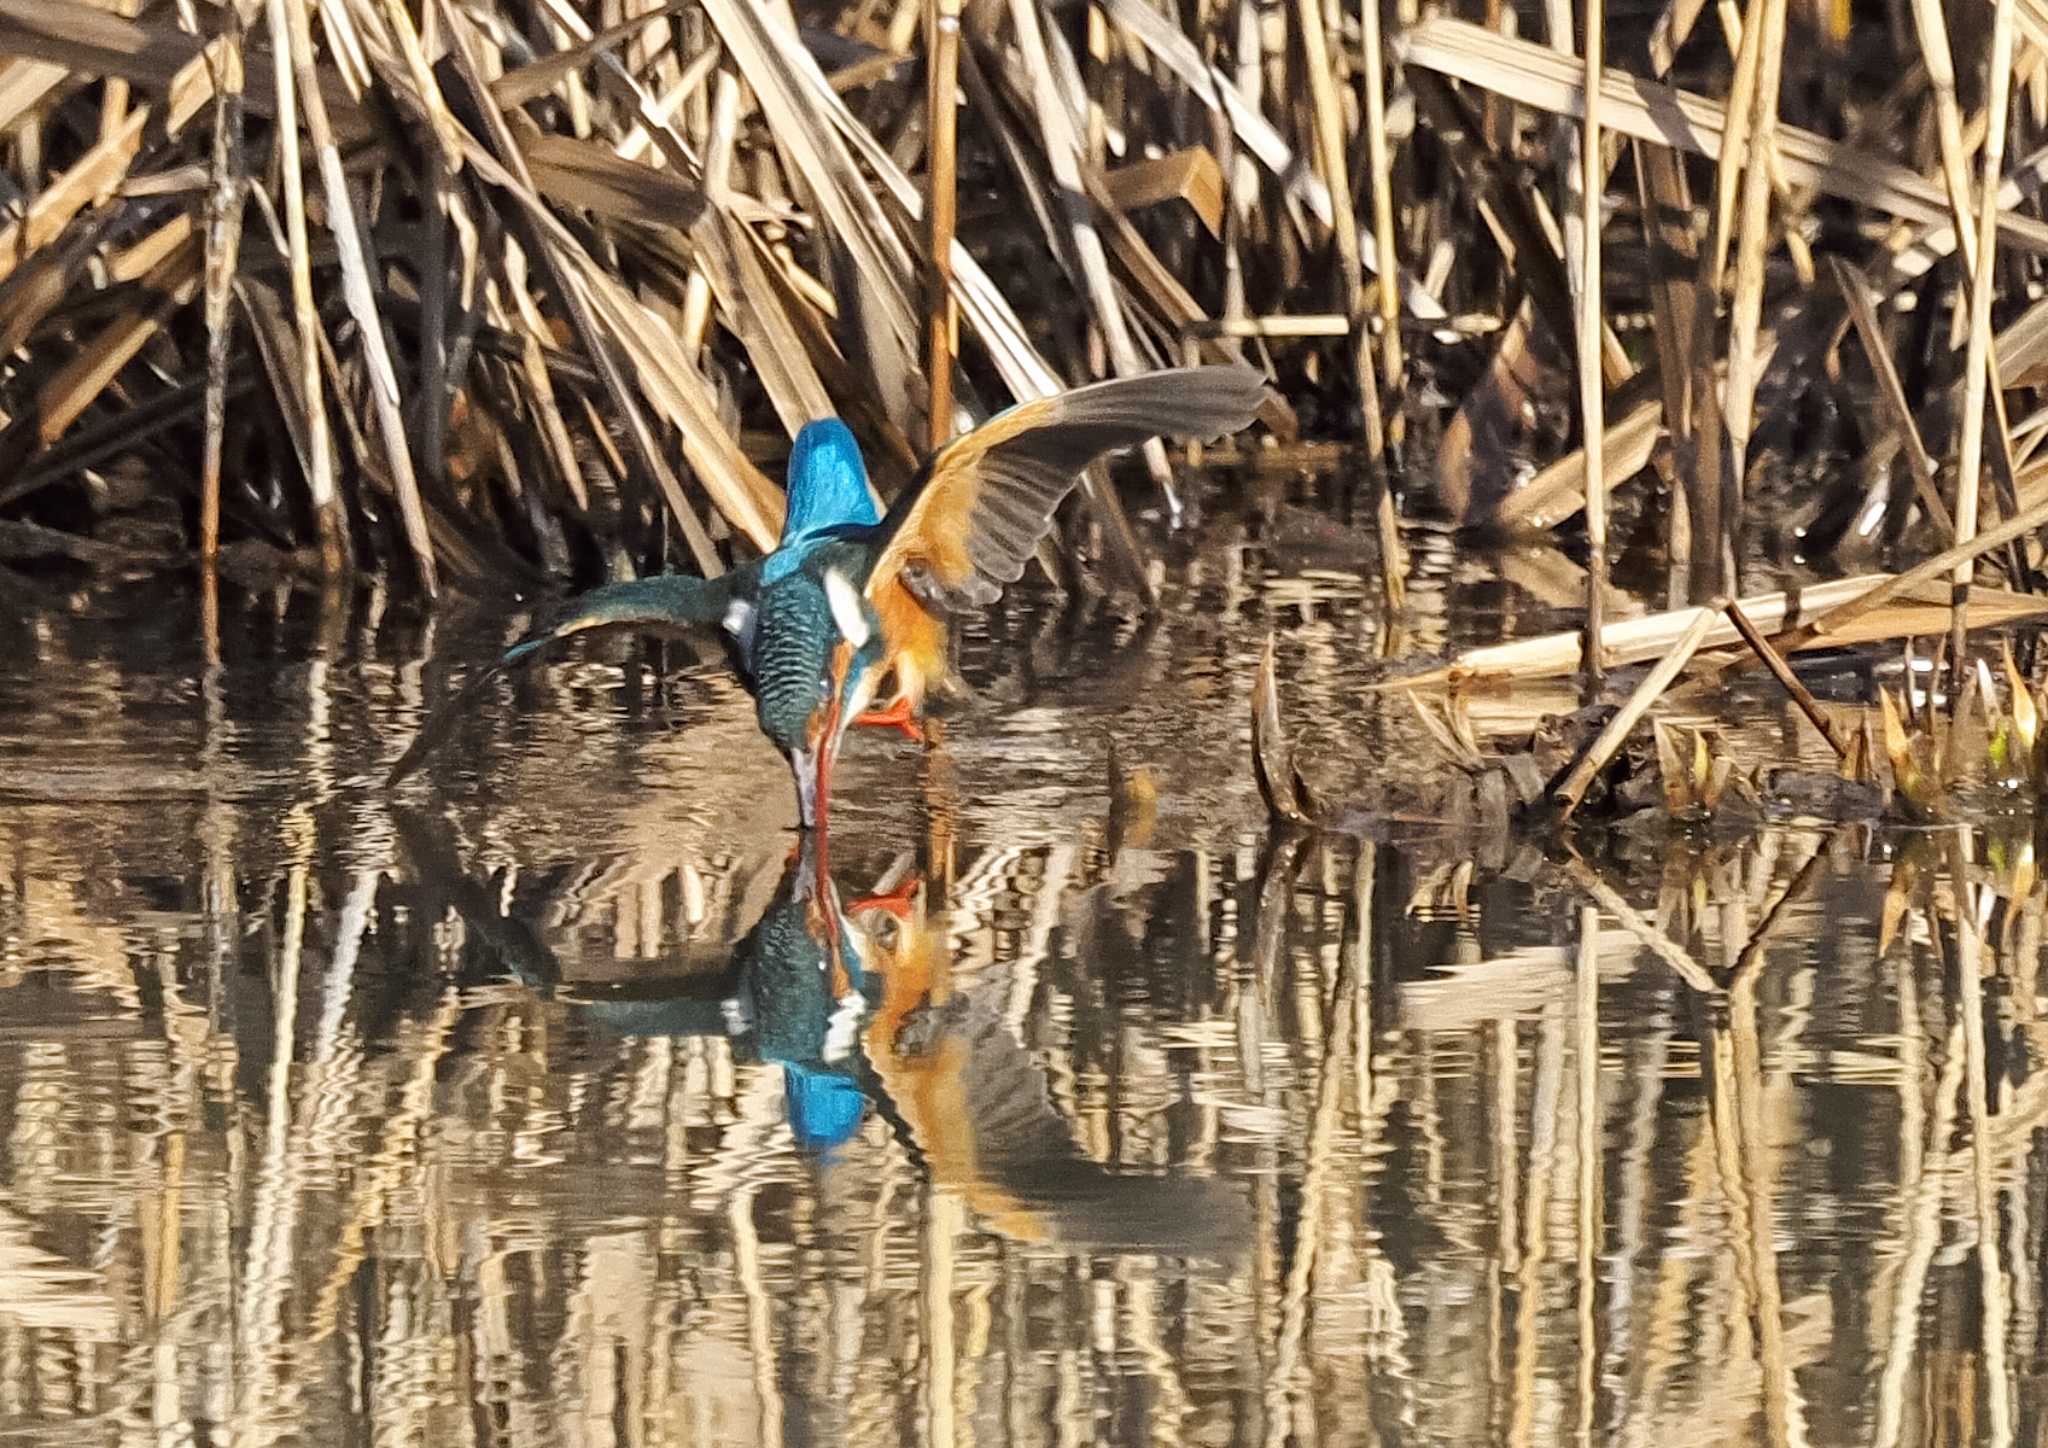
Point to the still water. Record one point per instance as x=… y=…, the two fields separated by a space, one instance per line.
x=545 y=1103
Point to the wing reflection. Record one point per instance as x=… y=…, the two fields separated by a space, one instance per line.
x=857 y=1002
x=974 y=1103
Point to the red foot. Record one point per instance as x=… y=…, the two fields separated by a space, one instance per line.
x=898 y=902
x=896 y=716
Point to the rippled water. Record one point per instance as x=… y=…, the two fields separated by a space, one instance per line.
x=545 y=1104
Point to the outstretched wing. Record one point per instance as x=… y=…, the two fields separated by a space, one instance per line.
x=964 y=529
x=671 y=603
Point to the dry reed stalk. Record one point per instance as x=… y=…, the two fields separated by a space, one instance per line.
x=1099 y=80
x=426 y=91
x=942 y=52
x=1955 y=141
x=1746 y=313
x=722 y=126
x=358 y=293
x=541 y=386
x=1971 y=451
x=319 y=449
x=820 y=176
x=1314 y=324
x=1533 y=75
x=1573 y=788
x=1790 y=202
x=1273 y=764
x=1638 y=640
x=1335 y=166
x=1559 y=490
x=98 y=172
x=1931 y=28
x=223 y=247
x=1592 y=183
x=1863 y=313
x=1379 y=158
x=1053 y=76
x=783 y=80
x=87 y=372
x=748 y=284
x=590 y=295
x=1023 y=370
x=1239 y=99
x=1891 y=585
x=1665 y=204
x=1672 y=29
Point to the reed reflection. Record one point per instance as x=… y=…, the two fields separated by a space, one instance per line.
x=577 y=1115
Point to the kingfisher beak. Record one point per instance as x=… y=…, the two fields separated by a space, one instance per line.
x=804 y=764
x=811 y=762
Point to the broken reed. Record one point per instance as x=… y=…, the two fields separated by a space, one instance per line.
x=487 y=293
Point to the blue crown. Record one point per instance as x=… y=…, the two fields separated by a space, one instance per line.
x=828 y=482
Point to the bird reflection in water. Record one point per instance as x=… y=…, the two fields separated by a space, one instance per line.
x=857 y=1002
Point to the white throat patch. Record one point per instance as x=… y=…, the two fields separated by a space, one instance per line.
x=848 y=611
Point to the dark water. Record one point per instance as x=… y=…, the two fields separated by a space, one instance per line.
x=541 y=1107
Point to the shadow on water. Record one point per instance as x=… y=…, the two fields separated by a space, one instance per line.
x=550 y=1103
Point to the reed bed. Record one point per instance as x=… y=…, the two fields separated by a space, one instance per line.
x=480 y=293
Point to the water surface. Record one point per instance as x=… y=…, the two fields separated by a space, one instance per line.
x=539 y=1105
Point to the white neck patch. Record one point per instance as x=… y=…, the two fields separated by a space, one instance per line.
x=848 y=611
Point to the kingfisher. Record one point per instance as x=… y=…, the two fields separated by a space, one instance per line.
x=850 y=599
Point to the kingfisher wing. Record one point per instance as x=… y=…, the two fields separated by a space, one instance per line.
x=977 y=511
x=670 y=604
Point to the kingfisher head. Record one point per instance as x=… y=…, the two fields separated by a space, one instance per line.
x=828 y=482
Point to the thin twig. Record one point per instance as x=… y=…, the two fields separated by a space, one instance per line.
x=1782 y=672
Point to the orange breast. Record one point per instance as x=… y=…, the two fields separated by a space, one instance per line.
x=916 y=639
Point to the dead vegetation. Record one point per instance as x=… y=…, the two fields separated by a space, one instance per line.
x=486 y=293
x=478 y=292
